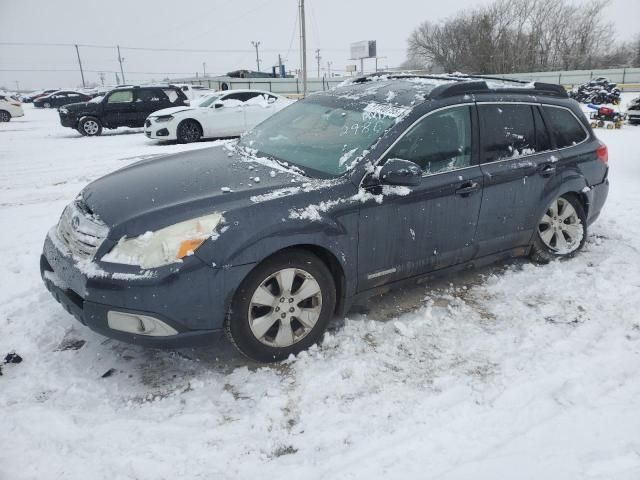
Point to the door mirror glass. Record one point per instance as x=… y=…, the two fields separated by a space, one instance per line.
x=400 y=172
x=218 y=105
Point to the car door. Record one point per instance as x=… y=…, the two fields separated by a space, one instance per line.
x=119 y=109
x=147 y=101
x=225 y=118
x=430 y=226
x=517 y=163
x=59 y=99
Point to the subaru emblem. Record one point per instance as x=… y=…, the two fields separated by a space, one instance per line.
x=75 y=222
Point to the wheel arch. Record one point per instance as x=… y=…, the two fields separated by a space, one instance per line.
x=191 y=119
x=327 y=257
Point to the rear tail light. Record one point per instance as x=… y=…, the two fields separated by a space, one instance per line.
x=602 y=152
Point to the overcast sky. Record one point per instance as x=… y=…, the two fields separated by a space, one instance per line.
x=215 y=25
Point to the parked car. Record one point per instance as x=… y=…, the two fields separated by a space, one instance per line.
x=341 y=195
x=121 y=107
x=60 y=98
x=225 y=114
x=633 y=111
x=35 y=95
x=9 y=108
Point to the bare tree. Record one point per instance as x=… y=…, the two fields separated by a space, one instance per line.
x=515 y=36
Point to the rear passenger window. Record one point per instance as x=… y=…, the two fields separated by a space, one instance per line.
x=566 y=128
x=149 y=95
x=543 y=140
x=507 y=131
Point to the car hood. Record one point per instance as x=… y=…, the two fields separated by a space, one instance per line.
x=82 y=106
x=158 y=192
x=171 y=111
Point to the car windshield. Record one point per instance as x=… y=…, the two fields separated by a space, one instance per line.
x=323 y=134
x=205 y=101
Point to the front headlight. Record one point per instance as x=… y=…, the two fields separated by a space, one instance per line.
x=164 y=118
x=165 y=246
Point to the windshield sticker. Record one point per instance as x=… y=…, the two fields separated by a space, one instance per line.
x=379 y=110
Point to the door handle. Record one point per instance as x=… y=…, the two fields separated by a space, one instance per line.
x=467 y=189
x=547 y=170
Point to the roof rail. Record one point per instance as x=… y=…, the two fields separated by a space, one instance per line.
x=470 y=87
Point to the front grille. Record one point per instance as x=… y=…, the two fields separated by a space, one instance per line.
x=147 y=123
x=81 y=231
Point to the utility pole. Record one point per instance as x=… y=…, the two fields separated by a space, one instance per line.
x=329 y=69
x=101 y=75
x=279 y=65
x=204 y=69
x=256 y=45
x=318 y=57
x=120 y=60
x=80 y=63
x=303 y=48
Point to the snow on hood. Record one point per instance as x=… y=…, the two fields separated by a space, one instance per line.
x=171 y=111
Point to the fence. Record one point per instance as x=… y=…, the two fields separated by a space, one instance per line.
x=283 y=86
x=626 y=78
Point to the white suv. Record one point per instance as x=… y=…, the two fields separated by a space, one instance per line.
x=9 y=108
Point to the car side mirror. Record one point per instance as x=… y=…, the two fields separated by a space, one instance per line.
x=218 y=105
x=400 y=172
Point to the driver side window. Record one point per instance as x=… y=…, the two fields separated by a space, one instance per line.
x=124 y=96
x=440 y=142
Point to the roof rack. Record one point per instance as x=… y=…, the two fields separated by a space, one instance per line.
x=481 y=86
x=461 y=84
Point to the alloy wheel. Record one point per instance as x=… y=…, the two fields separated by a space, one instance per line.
x=189 y=132
x=285 y=307
x=90 y=127
x=561 y=229
x=4 y=117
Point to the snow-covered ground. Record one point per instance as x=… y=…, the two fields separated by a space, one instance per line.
x=518 y=371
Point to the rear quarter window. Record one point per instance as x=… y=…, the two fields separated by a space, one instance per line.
x=566 y=128
x=171 y=93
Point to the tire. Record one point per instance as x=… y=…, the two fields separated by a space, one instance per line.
x=564 y=219
x=46 y=105
x=266 y=322
x=189 y=131
x=90 y=126
x=4 y=116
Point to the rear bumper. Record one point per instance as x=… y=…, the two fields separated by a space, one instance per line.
x=190 y=298
x=597 y=196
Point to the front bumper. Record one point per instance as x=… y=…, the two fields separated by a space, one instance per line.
x=68 y=120
x=190 y=298
x=160 y=130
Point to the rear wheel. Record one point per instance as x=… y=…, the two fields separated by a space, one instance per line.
x=562 y=230
x=46 y=105
x=282 y=307
x=189 y=131
x=4 y=116
x=90 y=126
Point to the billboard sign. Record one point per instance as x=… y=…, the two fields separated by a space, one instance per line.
x=363 y=49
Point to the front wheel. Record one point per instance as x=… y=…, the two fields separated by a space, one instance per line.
x=90 y=127
x=562 y=230
x=282 y=307
x=46 y=105
x=189 y=131
x=4 y=116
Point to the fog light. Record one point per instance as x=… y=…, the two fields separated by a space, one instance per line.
x=139 y=324
x=163 y=132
